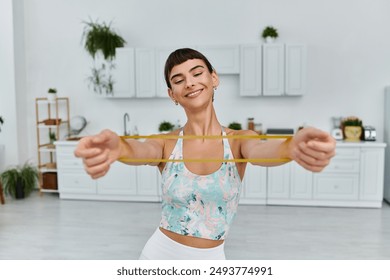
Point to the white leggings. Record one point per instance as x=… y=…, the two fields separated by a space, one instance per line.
x=161 y=247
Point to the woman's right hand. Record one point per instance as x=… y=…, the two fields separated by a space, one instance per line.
x=98 y=152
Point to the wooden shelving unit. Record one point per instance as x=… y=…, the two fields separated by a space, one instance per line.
x=51 y=117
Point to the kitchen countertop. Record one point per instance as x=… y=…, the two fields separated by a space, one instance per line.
x=360 y=144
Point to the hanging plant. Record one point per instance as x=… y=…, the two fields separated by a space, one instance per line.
x=100 y=38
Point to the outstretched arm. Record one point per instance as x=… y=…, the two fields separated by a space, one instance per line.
x=100 y=151
x=310 y=147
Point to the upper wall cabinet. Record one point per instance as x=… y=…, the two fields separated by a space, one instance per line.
x=124 y=73
x=250 y=64
x=295 y=69
x=273 y=70
x=145 y=76
x=224 y=59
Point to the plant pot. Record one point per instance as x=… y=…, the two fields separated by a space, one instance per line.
x=269 y=39
x=352 y=133
x=19 y=190
x=51 y=97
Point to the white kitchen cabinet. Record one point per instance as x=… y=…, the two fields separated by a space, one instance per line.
x=278 y=182
x=145 y=76
x=295 y=69
x=371 y=174
x=339 y=180
x=301 y=184
x=284 y=69
x=124 y=74
x=254 y=185
x=289 y=184
x=224 y=58
x=71 y=176
x=273 y=69
x=250 y=70
x=122 y=182
x=147 y=181
x=161 y=55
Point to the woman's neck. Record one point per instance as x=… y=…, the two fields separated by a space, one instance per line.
x=204 y=123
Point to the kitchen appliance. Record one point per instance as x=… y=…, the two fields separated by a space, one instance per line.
x=369 y=133
x=337 y=132
x=280 y=131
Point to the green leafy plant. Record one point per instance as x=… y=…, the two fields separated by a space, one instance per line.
x=52 y=90
x=52 y=137
x=100 y=36
x=165 y=126
x=351 y=121
x=1 y=122
x=235 y=126
x=20 y=181
x=270 y=31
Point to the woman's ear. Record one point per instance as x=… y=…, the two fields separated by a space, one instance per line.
x=215 y=78
x=170 y=93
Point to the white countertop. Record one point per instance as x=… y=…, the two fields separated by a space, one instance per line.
x=360 y=144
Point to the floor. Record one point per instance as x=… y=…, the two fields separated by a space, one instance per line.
x=45 y=227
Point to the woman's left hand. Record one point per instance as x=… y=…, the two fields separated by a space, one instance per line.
x=312 y=148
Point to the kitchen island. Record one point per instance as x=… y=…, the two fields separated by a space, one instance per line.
x=354 y=178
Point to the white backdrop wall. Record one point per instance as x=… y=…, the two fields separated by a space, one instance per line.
x=348 y=57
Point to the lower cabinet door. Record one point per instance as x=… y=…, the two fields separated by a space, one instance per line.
x=75 y=182
x=147 y=181
x=336 y=186
x=120 y=180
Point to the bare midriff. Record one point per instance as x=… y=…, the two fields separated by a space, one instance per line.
x=191 y=241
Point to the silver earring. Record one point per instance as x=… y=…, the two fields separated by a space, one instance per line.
x=215 y=88
x=176 y=103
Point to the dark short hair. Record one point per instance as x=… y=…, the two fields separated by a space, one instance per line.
x=182 y=55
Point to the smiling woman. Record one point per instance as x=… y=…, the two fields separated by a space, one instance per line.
x=199 y=197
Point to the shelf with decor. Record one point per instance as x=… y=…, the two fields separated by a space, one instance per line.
x=52 y=123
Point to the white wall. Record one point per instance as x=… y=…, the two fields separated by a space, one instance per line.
x=8 y=135
x=348 y=59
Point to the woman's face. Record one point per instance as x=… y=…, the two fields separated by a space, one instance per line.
x=191 y=83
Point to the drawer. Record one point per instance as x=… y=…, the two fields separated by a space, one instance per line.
x=66 y=151
x=339 y=165
x=336 y=187
x=76 y=183
x=347 y=153
x=70 y=163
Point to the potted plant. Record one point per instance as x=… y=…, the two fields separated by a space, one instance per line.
x=352 y=128
x=270 y=34
x=165 y=127
x=52 y=137
x=1 y=122
x=100 y=41
x=235 y=126
x=51 y=95
x=19 y=181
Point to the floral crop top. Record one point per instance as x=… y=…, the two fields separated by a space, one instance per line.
x=199 y=205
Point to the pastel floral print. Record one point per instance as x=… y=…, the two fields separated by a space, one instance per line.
x=199 y=205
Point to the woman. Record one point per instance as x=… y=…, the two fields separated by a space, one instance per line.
x=199 y=200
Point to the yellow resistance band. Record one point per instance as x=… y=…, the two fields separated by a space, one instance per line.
x=169 y=136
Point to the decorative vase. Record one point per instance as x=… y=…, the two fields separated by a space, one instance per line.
x=51 y=97
x=269 y=39
x=352 y=133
